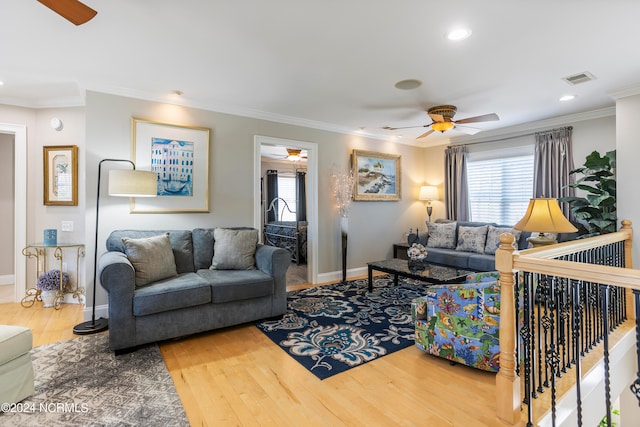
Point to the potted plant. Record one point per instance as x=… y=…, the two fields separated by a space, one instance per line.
x=49 y=284
x=596 y=211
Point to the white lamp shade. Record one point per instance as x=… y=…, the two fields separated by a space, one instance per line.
x=428 y=192
x=133 y=183
x=544 y=216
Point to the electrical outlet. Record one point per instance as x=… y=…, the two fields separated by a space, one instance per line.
x=66 y=226
x=64 y=267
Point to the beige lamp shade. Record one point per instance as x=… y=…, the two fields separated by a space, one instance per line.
x=133 y=183
x=544 y=216
x=428 y=192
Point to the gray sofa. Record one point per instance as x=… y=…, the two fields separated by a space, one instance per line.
x=455 y=253
x=195 y=298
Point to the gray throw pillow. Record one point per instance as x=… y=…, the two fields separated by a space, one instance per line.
x=234 y=249
x=441 y=235
x=472 y=239
x=152 y=258
x=493 y=238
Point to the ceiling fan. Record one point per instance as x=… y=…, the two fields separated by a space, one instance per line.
x=294 y=154
x=442 y=121
x=72 y=10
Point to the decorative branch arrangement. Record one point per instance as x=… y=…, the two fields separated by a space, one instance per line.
x=342 y=185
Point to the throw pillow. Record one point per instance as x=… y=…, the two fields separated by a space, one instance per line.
x=234 y=249
x=472 y=239
x=152 y=258
x=493 y=238
x=441 y=235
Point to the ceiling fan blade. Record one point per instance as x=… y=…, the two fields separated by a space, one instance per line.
x=74 y=11
x=484 y=118
x=426 y=134
x=436 y=117
x=406 y=127
x=468 y=130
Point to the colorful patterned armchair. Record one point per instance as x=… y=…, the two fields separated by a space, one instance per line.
x=461 y=322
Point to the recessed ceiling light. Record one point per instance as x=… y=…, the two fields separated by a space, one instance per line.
x=459 y=34
x=567 y=97
x=1 y=82
x=408 y=84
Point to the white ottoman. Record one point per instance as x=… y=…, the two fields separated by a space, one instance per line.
x=16 y=370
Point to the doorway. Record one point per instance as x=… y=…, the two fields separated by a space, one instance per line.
x=18 y=136
x=311 y=194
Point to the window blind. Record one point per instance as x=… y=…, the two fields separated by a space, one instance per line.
x=287 y=191
x=500 y=184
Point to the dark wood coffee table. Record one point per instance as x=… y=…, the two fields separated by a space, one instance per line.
x=425 y=271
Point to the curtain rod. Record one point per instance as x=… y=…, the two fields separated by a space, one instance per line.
x=506 y=138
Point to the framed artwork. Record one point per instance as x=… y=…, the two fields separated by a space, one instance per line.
x=378 y=176
x=61 y=175
x=180 y=156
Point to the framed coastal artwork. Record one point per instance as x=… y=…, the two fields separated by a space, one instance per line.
x=179 y=154
x=60 y=165
x=378 y=176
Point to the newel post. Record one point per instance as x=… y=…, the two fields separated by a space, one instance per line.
x=628 y=263
x=507 y=381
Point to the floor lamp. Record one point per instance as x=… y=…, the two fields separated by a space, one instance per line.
x=122 y=183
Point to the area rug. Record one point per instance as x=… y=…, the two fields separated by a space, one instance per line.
x=329 y=329
x=81 y=382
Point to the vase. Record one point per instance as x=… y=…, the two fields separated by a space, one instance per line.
x=48 y=297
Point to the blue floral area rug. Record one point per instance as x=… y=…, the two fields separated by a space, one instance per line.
x=332 y=328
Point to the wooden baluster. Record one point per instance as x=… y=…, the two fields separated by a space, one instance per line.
x=507 y=381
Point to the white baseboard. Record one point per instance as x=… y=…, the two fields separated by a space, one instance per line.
x=101 y=311
x=334 y=276
x=7 y=279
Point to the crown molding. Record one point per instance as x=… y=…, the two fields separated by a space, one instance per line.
x=624 y=92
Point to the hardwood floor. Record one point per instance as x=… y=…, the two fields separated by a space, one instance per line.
x=238 y=377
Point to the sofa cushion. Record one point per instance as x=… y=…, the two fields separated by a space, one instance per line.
x=448 y=257
x=14 y=342
x=185 y=290
x=493 y=238
x=472 y=239
x=230 y=285
x=441 y=235
x=180 y=243
x=481 y=262
x=234 y=249
x=202 y=247
x=152 y=258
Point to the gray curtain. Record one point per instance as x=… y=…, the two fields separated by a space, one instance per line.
x=272 y=193
x=553 y=161
x=301 y=196
x=455 y=183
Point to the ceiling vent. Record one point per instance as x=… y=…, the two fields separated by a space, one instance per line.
x=579 y=78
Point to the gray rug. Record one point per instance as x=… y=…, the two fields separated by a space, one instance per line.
x=81 y=382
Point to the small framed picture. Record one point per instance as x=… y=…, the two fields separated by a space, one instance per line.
x=378 y=176
x=61 y=175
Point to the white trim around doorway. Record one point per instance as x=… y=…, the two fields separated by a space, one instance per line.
x=312 y=193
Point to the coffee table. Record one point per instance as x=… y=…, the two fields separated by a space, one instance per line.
x=425 y=271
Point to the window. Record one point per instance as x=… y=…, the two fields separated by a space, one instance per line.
x=500 y=184
x=287 y=191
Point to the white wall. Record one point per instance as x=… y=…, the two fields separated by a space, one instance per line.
x=6 y=205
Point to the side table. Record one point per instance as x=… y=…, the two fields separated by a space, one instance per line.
x=400 y=250
x=39 y=251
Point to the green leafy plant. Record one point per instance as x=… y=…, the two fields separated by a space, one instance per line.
x=603 y=421
x=596 y=211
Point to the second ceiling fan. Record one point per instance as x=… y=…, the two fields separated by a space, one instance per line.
x=442 y=121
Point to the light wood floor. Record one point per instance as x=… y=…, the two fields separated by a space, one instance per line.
x=238 y=377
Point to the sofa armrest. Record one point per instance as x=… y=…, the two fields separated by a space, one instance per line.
x=272 y=260
x=117 y=276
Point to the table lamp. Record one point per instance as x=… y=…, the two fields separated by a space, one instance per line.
x=122 y=183
x=428 y=193
x=544 y=216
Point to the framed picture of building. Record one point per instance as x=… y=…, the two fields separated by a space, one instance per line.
x=60 y=166
x=377 y=176
x=179 y=154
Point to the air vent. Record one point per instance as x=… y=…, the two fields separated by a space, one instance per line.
x=579 y=78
